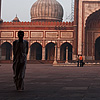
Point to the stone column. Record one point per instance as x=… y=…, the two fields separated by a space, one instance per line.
x=75 y=43
x=80 y=27
x=12 y=55
x=93 y=51
x=28 y=55
x=55 y=56
x=66 y=55
x=43 y=53
x=58 y=53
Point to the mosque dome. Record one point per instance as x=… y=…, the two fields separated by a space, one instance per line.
x=46 y=10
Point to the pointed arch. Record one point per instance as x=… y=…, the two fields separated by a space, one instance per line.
x=36 y=51
x=97 y=49
x=92 y=18
x=50 y=50
x=6 y=51
x=91 y=46
x=63 y=51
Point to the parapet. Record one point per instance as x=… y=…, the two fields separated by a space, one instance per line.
x=40 y=23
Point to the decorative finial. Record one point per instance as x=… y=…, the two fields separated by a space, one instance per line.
x=16 y=15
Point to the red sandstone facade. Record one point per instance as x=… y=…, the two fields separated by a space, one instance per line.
x=80 y=37
x=45 y=30
x=41 y=36
x=88 y=30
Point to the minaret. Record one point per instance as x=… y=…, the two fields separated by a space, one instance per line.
x=0 y=12
x=76 y=3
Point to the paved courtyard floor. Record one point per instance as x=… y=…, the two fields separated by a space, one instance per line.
x=45 y=82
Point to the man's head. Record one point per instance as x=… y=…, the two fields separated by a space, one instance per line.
x=20 y=34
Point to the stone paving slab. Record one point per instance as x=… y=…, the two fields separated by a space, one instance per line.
x=75 y=64
x=45 y=82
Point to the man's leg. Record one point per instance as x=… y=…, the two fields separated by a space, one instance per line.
x=78 y=64
x=20 y=84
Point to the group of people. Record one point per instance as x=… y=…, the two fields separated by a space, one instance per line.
x=80 y=62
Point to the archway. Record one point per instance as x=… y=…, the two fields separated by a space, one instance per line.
x=50 y=51
x=6 y=51
x=92 y=30
x=36 y=51
x=97 y=49
x=63 y=51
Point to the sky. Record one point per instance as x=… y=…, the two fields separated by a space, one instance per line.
x=22 y=8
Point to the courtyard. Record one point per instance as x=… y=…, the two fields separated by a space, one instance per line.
x=45 y=82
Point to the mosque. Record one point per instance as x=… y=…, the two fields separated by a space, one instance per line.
x=46 y=32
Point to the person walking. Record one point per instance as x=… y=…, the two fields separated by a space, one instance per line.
x=20 y=51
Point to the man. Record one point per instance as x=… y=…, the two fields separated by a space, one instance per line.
x=20 y=51
x=81 y=61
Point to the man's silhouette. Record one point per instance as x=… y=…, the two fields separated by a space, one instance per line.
x=20 y=51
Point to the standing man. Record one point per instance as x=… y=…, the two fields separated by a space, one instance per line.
x=20 y=51
x=81 y=61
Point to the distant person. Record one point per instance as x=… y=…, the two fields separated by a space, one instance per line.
x=81 y=61
x=20 y=51
x=78 y=61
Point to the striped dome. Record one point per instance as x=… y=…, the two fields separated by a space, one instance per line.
x=46 y=10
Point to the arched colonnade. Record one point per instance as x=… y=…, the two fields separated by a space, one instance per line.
x=38 y=52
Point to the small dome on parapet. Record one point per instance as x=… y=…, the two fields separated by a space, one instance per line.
x=16 y=19
x=1 y=20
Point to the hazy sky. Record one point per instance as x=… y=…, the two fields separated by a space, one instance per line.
x=22 y=8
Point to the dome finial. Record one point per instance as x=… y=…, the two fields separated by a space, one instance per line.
x=16 y=15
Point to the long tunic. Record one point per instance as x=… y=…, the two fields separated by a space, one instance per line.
x=20 y=50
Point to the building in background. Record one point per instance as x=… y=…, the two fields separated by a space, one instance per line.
x=46 y=30
x=87 y=20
